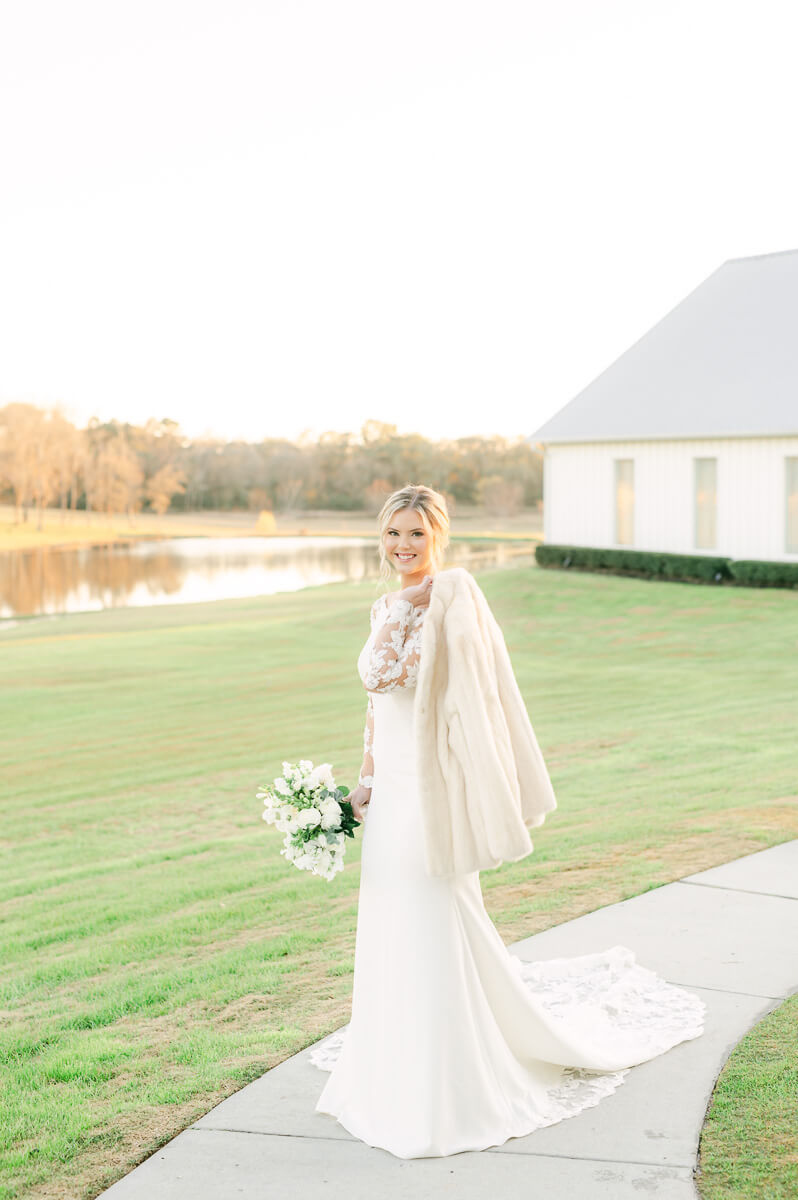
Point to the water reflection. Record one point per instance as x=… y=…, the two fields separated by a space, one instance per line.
x=189 y=570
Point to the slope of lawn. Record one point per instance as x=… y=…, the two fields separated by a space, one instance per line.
x=158 y=953
x=749 y=1143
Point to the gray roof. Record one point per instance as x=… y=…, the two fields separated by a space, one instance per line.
x=723 y=363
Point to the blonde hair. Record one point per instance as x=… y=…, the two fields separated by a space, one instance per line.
x=431 y=505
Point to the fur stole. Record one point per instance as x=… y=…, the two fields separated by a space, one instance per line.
x=483 y=781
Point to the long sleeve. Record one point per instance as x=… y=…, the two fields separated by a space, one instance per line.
x=396 y=651
x=366 y=777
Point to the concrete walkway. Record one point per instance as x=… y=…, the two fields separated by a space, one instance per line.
x=730 y=934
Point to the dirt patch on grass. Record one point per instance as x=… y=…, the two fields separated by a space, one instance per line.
x=132 y=1139
x=312 y=1002
x=584 y=887
x=312 y=1005
x=691 y=612
x=570 y=750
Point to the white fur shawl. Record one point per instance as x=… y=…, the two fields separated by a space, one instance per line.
x=483 y=781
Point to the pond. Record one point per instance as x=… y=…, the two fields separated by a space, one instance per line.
x=50 y=580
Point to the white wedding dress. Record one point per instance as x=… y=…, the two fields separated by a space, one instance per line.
x=454 y=1043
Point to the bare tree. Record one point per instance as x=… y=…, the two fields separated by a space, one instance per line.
x=376 y=431
x=68 y=451
x=115 y=477
x=163 y=485
x=288 y=493
x=21 y=425
x=376 y=494
x=43 y=450
x=499 y=496
x=112 y=466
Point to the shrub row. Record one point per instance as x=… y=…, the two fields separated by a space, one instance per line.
x=652 y=564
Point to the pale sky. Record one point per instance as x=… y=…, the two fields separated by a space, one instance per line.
x=450 y=215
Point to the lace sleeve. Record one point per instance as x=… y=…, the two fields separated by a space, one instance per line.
x=366 y=777
x=396 y=652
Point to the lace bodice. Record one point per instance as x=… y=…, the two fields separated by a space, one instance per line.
x=393 y=662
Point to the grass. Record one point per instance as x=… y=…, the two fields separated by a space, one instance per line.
x=749 y=1144
x=73 y=529
x=79 y=528
x=157 y=952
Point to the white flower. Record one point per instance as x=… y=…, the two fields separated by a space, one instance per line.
x=326 y=775
x=336 y=864
x=324 y=862
x=286 y=820
x=320 y=776
x=305 y=765
x=308 y=817
x=331 y=817
x=280 y=785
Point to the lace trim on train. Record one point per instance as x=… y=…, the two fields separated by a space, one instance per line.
x=632 y=998
x=579 y=1089
x=326 y=1054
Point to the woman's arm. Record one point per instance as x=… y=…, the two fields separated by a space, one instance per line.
x=366 y=776
x=396 y=650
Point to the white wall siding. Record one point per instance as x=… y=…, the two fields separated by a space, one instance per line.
x=579 y=494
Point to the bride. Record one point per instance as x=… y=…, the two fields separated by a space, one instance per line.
x=455 y=1044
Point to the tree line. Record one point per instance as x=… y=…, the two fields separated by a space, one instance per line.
x=113 y=467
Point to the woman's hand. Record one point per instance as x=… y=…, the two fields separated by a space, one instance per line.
x=359 y=799
x=419 y=593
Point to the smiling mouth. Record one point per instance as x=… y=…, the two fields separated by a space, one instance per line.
x=404 y=557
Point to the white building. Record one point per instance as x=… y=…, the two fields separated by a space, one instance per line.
x=689 y=442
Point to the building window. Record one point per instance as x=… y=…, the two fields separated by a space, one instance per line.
x=705 y=503
x=791 y=491
x=624 y=501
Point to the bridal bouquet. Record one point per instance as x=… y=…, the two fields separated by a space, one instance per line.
x=311 y=811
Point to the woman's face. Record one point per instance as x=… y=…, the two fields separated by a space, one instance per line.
x=408 y=546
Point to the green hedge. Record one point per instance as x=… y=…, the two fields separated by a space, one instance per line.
x=651 y=564
x=764 y=574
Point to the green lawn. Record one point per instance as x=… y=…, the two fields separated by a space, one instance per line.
x=158 y=953
x=749 y=1144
